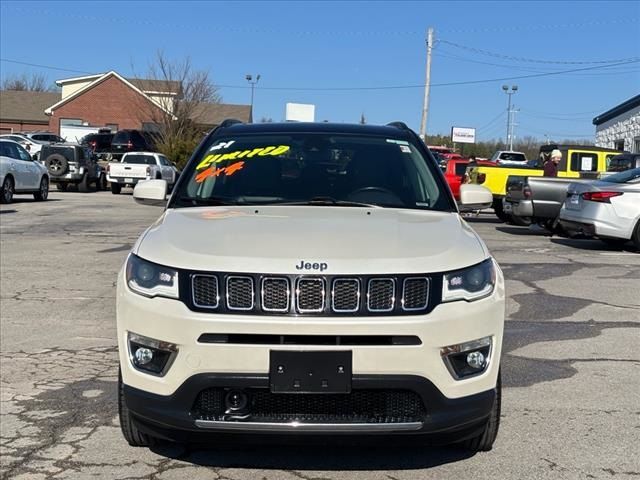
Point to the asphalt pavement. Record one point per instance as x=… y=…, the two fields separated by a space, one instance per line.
x=571 y=363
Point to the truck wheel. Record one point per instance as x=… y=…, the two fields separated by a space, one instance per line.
x=61 y=186
x=83 y=186
x=484 y=441
x=42 y=194
x=497 y=208
x=132 y=435
x=520 y=221
x=6 y=196
x=115 y=188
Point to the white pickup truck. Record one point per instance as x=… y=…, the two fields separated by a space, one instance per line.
x=139 y=166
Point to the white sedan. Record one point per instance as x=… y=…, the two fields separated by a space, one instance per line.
x=19 y=173
x=608 y=209
x=30 y=145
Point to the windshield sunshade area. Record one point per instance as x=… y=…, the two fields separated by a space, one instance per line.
x=313 y=169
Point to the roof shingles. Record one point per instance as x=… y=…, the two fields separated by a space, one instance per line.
x=18 y=105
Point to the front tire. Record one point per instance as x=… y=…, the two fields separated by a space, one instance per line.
x=635 y=238
x=42 y=194
x=115 y=188
x=484 y=441
x=132 y=435
x=6 y=196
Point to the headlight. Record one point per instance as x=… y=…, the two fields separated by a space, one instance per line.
x=471 y=283
x=150 y=279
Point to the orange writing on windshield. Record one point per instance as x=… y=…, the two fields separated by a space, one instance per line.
x=214 y=172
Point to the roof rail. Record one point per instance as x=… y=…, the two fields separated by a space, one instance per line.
x=400 y=125
x=228 y=122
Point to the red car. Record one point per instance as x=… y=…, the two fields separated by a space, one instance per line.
x=454 y=171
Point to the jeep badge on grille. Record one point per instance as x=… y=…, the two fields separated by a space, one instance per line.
x=312 y=266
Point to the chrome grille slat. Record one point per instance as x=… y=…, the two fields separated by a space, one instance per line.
x=240 y=293
x=381 y=294
x=310 y=294
x=204 y=291
x=275 y=294
x=345 y=295
x=415 y=293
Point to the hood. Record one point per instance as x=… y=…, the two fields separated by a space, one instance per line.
x=276 y=239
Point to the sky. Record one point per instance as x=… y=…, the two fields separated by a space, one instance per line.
x=343 y=56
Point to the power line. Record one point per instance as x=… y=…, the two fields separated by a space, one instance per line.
x=542 y=26
x=532 y=60
x=43 y=66
x=526 y=69
x=499 y=116
x=384 y=87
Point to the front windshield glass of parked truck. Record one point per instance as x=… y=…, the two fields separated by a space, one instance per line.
x=313 y=169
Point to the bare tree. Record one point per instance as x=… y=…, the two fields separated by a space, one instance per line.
x=183 y=114
x=35 y=82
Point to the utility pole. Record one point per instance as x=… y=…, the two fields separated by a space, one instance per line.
x=509 y=92
x=427 y=86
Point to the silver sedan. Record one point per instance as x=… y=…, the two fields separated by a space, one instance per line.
x=608 y=209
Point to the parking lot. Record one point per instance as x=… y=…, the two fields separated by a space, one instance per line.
x=571 y=404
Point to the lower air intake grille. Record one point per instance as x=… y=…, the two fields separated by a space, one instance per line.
x=359 y=406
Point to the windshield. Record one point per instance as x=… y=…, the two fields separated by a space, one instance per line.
x=312 y=168
x=628 y=176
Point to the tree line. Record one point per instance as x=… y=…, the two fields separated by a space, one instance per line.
x=528 y=145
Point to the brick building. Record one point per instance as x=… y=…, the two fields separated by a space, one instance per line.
x=105 y=100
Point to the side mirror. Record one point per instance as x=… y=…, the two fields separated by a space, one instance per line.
x=474 y=197
x=151 y=192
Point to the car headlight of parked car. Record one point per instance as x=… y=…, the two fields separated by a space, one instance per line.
x=150 y=279
x=472 y=283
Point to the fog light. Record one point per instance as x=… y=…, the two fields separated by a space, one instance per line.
x=475 y=360
x=143 y=356
x=464 y=360
x=150 y=355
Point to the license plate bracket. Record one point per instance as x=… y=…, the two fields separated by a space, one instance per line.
x=310 y=372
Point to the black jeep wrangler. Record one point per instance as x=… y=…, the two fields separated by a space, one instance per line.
x=72 y=164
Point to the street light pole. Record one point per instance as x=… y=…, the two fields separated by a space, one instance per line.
x=509 y=92
x=253 y=85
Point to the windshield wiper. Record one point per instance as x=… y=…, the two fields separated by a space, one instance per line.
x=211 y=201
x=329 y=201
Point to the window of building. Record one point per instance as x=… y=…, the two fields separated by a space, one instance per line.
x=619 y=145
x=150 y=127
x=636 y=145
x=70 y=121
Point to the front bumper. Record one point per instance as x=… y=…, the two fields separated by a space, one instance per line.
x=169 y=417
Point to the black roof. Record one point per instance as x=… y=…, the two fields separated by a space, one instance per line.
x=633 y=102
x=571 y=146
x=310 y=127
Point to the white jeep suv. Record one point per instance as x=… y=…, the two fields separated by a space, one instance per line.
x=310 y=279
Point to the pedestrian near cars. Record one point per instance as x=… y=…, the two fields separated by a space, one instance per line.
x=551 y=167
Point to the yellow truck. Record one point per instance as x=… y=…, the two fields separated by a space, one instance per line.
x=578 y=161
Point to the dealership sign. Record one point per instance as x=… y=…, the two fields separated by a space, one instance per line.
x=463 y=135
